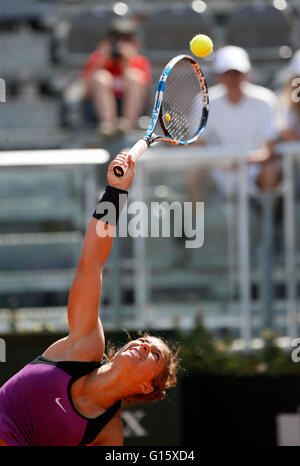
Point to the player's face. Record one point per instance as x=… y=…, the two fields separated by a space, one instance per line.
x=143 y=358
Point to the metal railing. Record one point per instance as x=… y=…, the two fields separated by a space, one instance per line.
x=246 y=308
x=243 y=280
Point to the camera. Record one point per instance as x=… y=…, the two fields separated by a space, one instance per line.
x=116 y=50
x=116 y=37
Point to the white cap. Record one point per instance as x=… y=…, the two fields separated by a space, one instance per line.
x=231 y=58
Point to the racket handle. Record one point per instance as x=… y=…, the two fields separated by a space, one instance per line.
x=136 y=151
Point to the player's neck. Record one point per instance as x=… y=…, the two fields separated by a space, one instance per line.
x=105 y=387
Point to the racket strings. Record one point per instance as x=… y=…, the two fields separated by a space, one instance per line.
x=182 y=103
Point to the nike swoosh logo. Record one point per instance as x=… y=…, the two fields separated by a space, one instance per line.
x=58 y=403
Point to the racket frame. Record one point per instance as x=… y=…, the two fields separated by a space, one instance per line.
x=150 y=135
x=142 y=145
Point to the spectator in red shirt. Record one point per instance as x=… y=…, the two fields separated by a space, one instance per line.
x=116 y=78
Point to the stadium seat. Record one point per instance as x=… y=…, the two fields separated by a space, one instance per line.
x=38 y=196
x=16 y=11
x=23 y=53
x=83 y=32
x=262 y=29
x=171 y=29
x=40 y=257
x=20 y=115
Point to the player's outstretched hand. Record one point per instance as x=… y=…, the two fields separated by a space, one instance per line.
x=125 y=181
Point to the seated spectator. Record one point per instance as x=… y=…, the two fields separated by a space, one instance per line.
x=116 y=78
x=242 y=114
x=290 y=101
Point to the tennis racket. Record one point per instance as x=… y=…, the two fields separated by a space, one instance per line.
x=180 y=109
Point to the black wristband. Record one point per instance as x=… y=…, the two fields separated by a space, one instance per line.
x=111 y=205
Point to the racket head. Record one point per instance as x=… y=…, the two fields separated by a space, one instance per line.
x=181 y=103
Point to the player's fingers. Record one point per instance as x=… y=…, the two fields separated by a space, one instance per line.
x=122 y=156
x=131 y=161
x=123 y=160
x=131 y=164
x=118 y=160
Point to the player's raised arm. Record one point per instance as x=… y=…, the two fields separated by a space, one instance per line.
x=84 y=298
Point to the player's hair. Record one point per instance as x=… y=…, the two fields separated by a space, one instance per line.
x=167 y=378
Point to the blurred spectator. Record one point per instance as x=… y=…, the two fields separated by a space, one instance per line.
x=290 y=101
x=242 y=114
x=116 y=79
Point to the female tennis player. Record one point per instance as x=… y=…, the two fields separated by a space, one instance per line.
x=72 y=395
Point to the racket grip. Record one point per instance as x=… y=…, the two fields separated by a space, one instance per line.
x=136 y=151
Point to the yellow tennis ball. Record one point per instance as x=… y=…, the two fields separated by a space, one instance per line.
x=167 y=117
x=201 y=45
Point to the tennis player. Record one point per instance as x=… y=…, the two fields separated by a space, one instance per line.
x=72 y=394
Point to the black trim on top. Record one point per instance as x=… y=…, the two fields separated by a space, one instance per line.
x=77 y=369
x=94 y=426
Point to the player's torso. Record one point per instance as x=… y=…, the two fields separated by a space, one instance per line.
x=38 y=402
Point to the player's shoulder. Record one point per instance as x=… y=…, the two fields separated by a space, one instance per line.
x=260 y=93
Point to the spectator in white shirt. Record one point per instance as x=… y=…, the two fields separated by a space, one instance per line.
x=243 y=114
